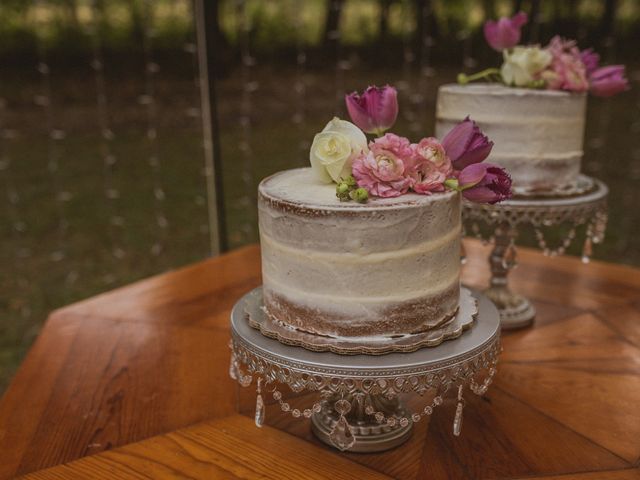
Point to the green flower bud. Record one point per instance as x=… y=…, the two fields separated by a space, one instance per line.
x=462 y=79
x=360 y=195
x=351 y=181
x=342 y=188
x=539 y=83
x=452 y=184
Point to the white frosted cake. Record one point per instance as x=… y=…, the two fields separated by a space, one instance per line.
x=387 y=267
x=537 y=134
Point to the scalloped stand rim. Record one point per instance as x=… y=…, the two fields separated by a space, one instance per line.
x=463 y=320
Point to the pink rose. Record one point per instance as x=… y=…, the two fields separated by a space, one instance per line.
x=567 y=70
x=385 y=170
x=430 y=166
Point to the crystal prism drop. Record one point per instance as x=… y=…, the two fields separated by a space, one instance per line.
x=587 y=250
x=509 y=259
x=463 y=253
x=341 y=435
x=259 y=411
x=232 y=368
x=457 y=420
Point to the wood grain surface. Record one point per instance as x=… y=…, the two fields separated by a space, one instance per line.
x=134 y=383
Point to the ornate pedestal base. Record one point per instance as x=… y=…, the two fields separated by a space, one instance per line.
x=588 y=207
x=360 y=408
x=369 y=435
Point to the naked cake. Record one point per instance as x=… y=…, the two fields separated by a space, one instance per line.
x=538 y=134
x=365 y=243
x=386 y=267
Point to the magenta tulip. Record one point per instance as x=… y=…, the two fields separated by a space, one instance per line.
x=505 y=33
x=607 y=81
x=485 y=183
x=590 y=59
x=375 y=111
x=465 y=144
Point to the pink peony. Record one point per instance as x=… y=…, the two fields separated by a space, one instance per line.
x=430 y=166
x=385 y=170
x=567 y=70
x=607 y=81
x=505 y=33
x=375 y=111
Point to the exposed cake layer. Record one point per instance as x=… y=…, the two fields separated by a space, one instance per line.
x=537 y=134
x=390 y=266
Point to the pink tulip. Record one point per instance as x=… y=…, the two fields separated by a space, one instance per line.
x=465 y=144
x=505 y=33
x=485 y=183
x=607 y=81
x=590 y=59
x=375 y=111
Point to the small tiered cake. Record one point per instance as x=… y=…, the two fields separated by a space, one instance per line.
x=387 y=267
x=537 y=134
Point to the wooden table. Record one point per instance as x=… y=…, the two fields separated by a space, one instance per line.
x=134 y=384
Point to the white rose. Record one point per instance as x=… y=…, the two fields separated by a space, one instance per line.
x=521 y=64
x=334 y=149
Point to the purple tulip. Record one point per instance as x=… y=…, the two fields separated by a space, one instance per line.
x=375 y=110
x=465 y=144
x=607 y=81
x=505 y=33
x=485 y=183
x=590 y=59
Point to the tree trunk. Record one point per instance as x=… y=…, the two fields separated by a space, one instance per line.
x=608 y=18
x=332 y=22
x=489 y=8
x=534 y=24
x=517 y=6
x=426 y=25
x=383 y=32
x=213 y=24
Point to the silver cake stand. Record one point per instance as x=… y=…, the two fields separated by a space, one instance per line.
x=585 y=205
x=359 y=399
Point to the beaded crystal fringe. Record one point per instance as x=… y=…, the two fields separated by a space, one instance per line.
x=342 y=433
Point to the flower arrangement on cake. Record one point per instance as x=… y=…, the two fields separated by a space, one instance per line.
x=560 y=65
x=390 y=165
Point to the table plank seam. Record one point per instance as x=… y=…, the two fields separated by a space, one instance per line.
x=571 y=474
x=604 y=319
x=549 y=417
x=133 y=321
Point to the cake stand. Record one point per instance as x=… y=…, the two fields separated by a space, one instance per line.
x=585 y=206
x=358 y=399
